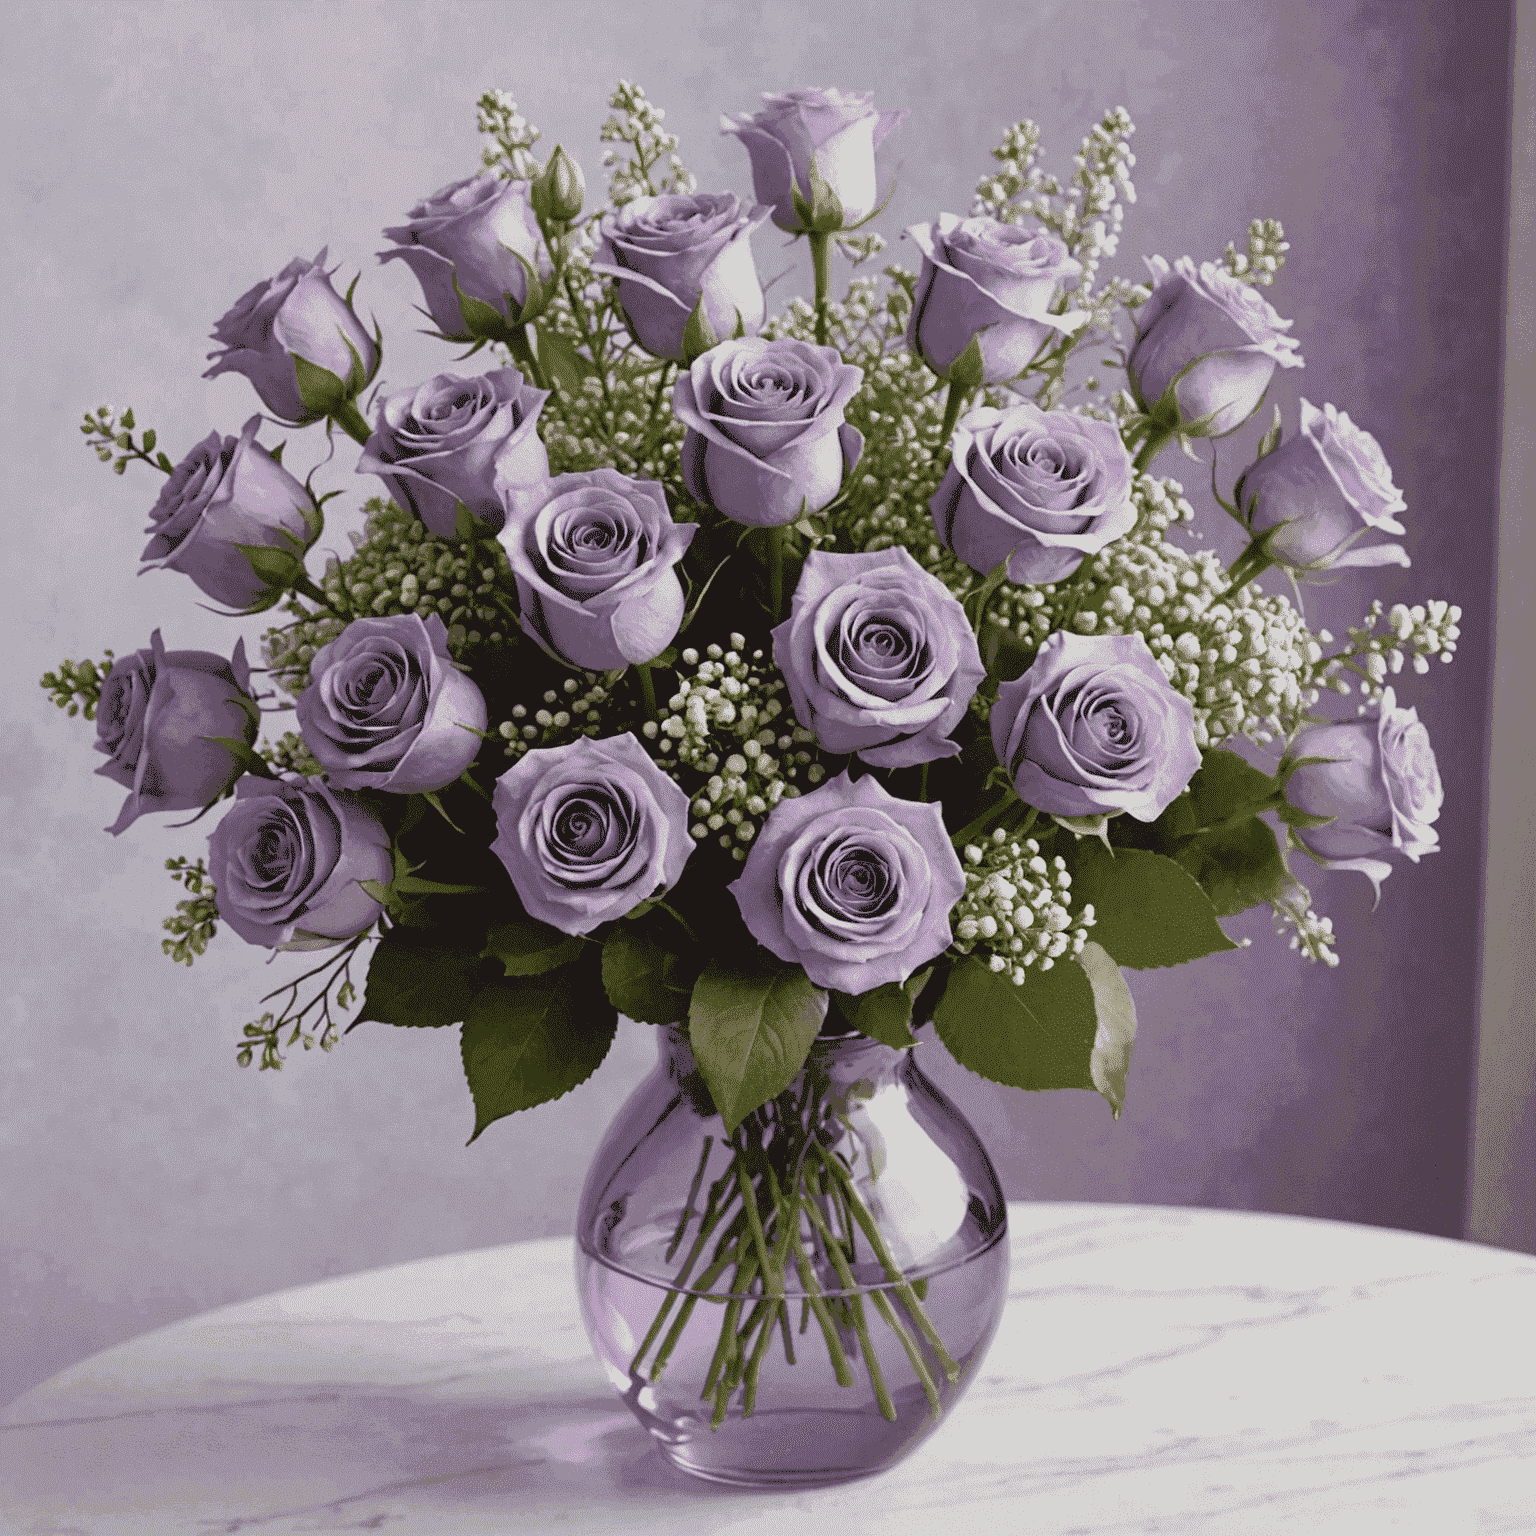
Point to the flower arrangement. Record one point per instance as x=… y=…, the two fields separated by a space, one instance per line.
x=835 y=670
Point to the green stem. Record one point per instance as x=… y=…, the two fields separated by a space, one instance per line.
x=1253 y=562
x=776 y=572
x=352 y=421
x=522 y=353
x=1156 y=438
x=970 y=830
x=922 y=784
x=306 y=588
x=647 y=689
x=954 y=403
x=821 y=251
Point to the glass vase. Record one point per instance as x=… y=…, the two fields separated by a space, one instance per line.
x=803 y=1301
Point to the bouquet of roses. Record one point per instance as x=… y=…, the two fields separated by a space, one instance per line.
x=767 y=677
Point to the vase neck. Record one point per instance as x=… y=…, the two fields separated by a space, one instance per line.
x=840 y=1061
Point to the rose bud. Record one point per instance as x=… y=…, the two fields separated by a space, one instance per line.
x=1320 y=492
x=589 y=830
x=476 y=250
x=766 y=440
x=595 y=559
x=387 y=709
x=1213 y=340
x=1378 y=781
x=289 y=860
x=674 y=254
x=560 y=190
x=1039 y=489
x=831 y=132
x=161 y=716
x=852 y=884
x=234 y=520
x=448 y=442
x=298 y=342
x=879 y=657
x=991 y=283
x=1094 y=728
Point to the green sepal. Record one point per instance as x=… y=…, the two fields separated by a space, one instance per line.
x=751 y=1031
x=432 y=798
x=698 y=334
x=967 y=371
x=1148 y=910
x=536 y=296
x=1271 y=439
x=244 y=754
x=1114 y=1034
x=823 y=214
x=564 y=364
x=422 y=978
x=981 y=596
x=1086 y=826
x=482 y=321
x=1036 y=1036
x=529 y=1040
x=466 y=528
x=321 y=391
x=276 y=566
x=527 y=947
x=885 y=1013
x=645 y=981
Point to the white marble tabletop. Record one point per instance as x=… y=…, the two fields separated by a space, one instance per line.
x=1205 y=1373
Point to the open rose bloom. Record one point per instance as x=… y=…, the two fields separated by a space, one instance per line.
x=793 y=667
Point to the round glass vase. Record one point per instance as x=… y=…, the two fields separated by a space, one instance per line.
x=802 y=1301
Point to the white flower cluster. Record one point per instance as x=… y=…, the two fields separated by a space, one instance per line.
x=512 y=135
x=1245 y=660
x=1413 y=636
x=1310 y=935
x=1264 y=257
x=1016 y=908
x=733 y=702
x=637 y=122
x=572 y=712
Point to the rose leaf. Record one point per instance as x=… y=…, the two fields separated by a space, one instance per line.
x=527 y=947
x=644 y=981
x=1115 y=1032
x=1238 y=866
x=1225 y=786
x=420 y=977
x=526 y=1042
x=885 y=1013
x=751 y=1031
x=1148 y=910
x=1039 y=1035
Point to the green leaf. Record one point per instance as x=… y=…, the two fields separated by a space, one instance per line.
x=1225 y=786
x=421 y=978
x=1115 y=1031
x=321 y=391
x=164 y=463
x=885 y=1013
x=528 y=1041
x=127 y=419
x=564 y=364
x=1036 y=1036
x=527 y=947
x=751 y=1031
x=1148 y=910
x=644 y=981
x=1238 y=865
x=150 y=440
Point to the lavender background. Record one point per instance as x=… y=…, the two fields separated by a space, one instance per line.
x=165 y=157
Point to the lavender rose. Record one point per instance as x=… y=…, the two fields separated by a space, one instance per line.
x=1040 y=489
x=833 y=132
x=766 y=440
x=879 y=657
x=1379 y=783
x=595 y=558
x=1322 y=491
x=448 y=443
x=234 y=520
x=852 y=884
x=298 y=342
x=1094 y=727
x=1215 y=340
x=589 y=830
x=476 y=250
x=288 y=861
x=160 y=719
x=387 y=709
x=991 y=283
x=676 y=253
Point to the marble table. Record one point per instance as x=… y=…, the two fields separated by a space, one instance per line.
x=1205 y=1373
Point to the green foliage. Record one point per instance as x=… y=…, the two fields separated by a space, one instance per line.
x=308 y=1024
x=76 y=686
x=530 y=1040
x=112 y=438
x=644 y=981
x=1039 y=1035
x=423 y=978
x=885 y=1013
x=751 y=1031
x=1148 y=910
x=194 y=923
x=527 y=947
x=1109 y=1063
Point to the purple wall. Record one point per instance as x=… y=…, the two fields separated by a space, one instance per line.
x=166 y=157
